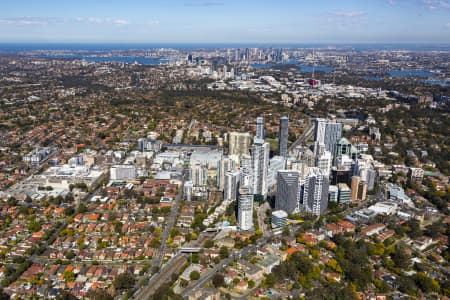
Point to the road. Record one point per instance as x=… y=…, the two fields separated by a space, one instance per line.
x=191 y=124
x=170 y=223
x=306 y=135
x=207 y=276
x=157 y=261
x=163 y=276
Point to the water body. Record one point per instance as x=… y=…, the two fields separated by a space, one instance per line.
x=309 y=69
x=426 y=81
x=375 y=78
x=437 y=82
x=267 y=66
x=410 y=73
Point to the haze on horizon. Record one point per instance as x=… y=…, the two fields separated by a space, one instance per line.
x=225 y=21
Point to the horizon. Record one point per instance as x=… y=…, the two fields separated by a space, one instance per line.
x=251 y=22
x=125 y=46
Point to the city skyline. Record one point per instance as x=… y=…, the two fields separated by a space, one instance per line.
x=380 y=21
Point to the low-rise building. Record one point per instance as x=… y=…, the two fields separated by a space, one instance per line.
x=269 y=262
x=372 y=229
x=279 y=219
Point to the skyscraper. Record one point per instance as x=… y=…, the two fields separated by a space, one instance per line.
x=344 y=147
x=142 y=144
x=240 y=143
x=245 y=209
x=355 y=186
x=327 y=133
x=237 y=55
x=225 y=164
x=283 y=135
x=260 y=157
x=333 y=133
x=315 y=192
x=260 y=127
x=199 y=175
x=324 y=162
x=276 y=164
x=187 y=190
x=287 y=190
x=231 y=185
x=246 y=173
x=319 y=130
x=344 y=193
x=371 y=178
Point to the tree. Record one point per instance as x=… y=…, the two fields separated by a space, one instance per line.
x=425 y=283
x=208 y=244
x=124 y=281
x=112 y=216
x=195 y=275
x=28 y=199
x=12 y=201
x=69 y=198
x=70 y=255
x=81 y=186
x=69 y=276
x=118 y=227
x=34 y=226
x=407 y=285
x=434 y=229
x=69 y=211
x=218 y=280
x=5 y=296
x=194 y=258
x=163 y=292
x=400 y=257
x=270 y=280
x=251 y=284
x=414 y=231
x=223 y=252
x=64 y=295
x=82 y=208
x=97 y=294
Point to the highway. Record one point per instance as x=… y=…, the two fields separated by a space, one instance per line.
x=163 y=276
x=156 y=279
x=170 y=223
x=306 y=135
x=207 y=276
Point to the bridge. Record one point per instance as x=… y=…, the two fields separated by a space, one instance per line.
x=190 y=250
x=211 y=230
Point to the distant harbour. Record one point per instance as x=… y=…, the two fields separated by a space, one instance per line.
x=310 y=69
x=410 y=73
x=437 y=82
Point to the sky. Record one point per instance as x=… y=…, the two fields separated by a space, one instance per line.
x=225 y=21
